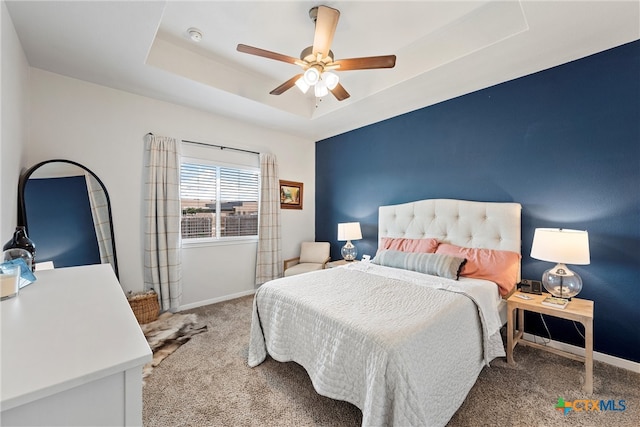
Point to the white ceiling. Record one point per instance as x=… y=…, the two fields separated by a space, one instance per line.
x=444 y=49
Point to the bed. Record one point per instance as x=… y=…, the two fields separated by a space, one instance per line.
x=403 y=337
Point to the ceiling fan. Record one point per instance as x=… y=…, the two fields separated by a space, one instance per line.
x=318 y=61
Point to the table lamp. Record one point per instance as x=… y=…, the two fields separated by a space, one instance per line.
x=349 y=231
x=563 y=247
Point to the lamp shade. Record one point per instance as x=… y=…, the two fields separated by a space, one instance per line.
x=561 y=246
x=330 y=79
x=320 y=89
x=311 y=76
x=302 y=85
x=349 y=231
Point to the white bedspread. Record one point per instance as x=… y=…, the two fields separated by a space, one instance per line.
x=404 y=347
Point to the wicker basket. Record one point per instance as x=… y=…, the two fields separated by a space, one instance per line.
x=145 y=306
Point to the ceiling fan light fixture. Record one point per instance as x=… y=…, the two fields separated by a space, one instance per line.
x=321 y=89
x=302 y=85
x=311 y=76
x=330 y=79
x=317 y=60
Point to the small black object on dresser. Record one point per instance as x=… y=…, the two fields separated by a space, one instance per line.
x=20 y=240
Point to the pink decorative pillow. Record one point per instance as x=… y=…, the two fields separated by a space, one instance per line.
x=409 y=245
x=500 y=267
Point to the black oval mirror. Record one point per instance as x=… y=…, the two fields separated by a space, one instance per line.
x=67 y=212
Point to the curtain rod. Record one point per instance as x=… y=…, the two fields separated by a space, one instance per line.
x=222 y=147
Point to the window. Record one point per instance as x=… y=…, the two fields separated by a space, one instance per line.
x=218 y=201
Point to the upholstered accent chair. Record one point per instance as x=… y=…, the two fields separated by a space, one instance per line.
x=313 y=256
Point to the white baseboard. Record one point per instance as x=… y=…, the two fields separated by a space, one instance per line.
x=601 y=357
x=215 y=300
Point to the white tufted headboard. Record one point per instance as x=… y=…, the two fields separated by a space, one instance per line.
x=459 y=222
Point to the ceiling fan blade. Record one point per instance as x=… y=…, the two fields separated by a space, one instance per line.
x=326 y=23
x=266 y=54
x=340 y=92
x=366 y=63
x=286 y=85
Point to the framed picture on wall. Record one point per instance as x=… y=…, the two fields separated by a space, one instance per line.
x=291 y=194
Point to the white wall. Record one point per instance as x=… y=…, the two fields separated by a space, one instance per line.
x=104 y=129
x=13 y=105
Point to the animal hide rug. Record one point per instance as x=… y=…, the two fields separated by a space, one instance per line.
x=166 y=334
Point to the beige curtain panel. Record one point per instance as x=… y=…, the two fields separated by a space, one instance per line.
x=269 y=257
x=162 y=264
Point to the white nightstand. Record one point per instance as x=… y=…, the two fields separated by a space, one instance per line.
x=579 y=310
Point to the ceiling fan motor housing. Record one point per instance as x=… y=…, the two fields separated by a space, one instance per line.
x=307 y=55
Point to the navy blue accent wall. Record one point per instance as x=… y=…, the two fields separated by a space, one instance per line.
x=64 y=202
x=564 y=142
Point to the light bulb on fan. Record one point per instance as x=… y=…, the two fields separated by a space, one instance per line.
x=302 y=85
x=330 y=79
x=311 y=76
x=321 y=89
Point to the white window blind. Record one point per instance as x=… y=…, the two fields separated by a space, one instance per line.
x=218 y=201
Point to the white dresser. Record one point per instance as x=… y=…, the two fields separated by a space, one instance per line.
x=72 y=352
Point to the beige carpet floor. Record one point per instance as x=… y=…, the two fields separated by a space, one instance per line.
x=207 y=382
